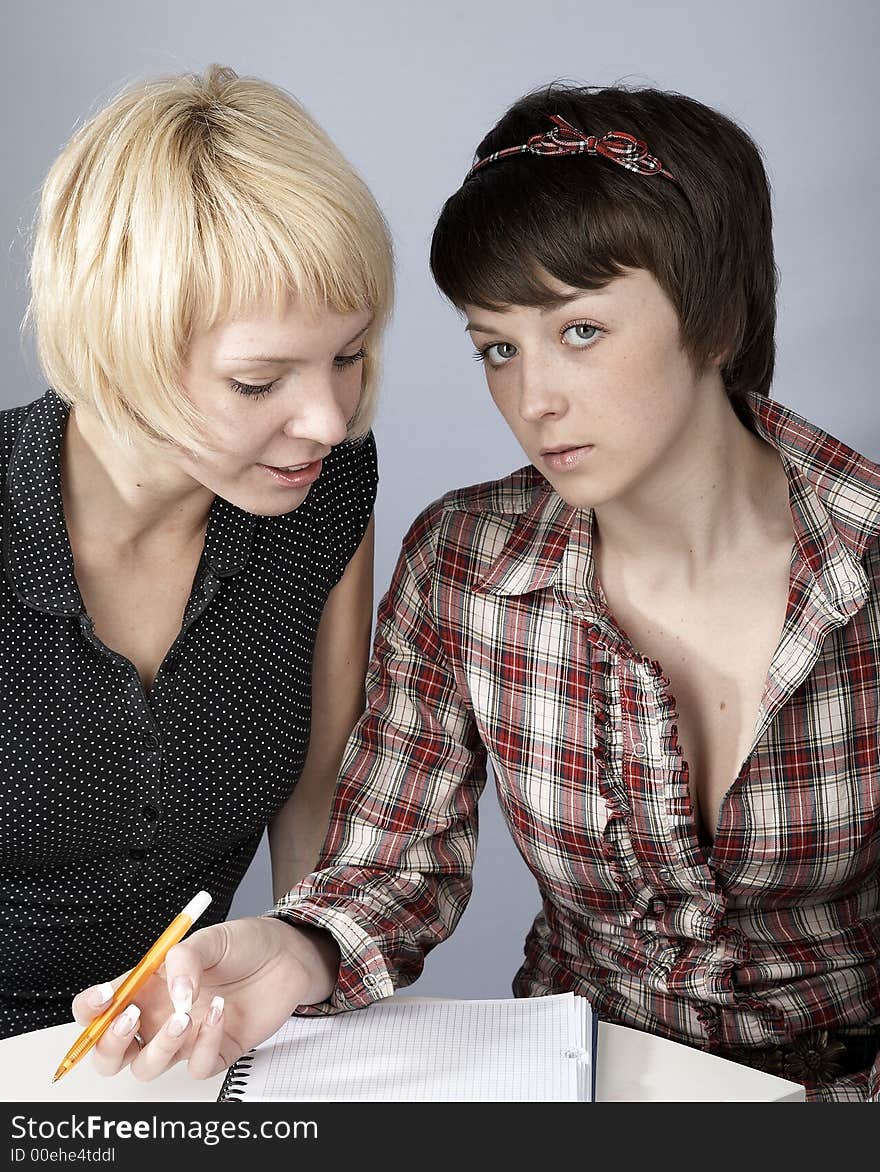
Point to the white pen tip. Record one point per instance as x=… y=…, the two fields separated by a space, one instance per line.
x=197 y=905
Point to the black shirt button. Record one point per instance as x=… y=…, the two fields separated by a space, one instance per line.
x=150 y=813
x=137 y=854
x=150 y=741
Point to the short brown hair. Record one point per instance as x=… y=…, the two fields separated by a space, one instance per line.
x=582 y=219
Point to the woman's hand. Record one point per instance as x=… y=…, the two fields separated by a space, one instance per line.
x=261 y=968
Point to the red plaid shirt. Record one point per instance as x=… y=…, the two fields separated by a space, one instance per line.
x=493 y=640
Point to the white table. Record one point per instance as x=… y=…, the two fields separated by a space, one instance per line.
x=631 y=1067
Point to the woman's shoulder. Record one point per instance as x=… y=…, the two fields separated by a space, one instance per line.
x=330 y=523
x=344 y=492
x=11 y=422
x=12 y=418
x=351 y=469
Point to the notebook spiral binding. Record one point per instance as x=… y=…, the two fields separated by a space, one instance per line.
x=236 y=1079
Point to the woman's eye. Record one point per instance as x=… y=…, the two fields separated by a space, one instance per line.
x=252 y=391
x=580 y=334
x=497 y=354
x=344 y=361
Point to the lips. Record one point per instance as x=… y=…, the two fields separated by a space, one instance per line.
x=566 y=457
x=294 y=475
x=297 y=465
x=563 y=448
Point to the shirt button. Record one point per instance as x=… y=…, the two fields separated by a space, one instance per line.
x=137 y=854
x=639 y=749
x=150 y=813
x=849 y=587
x=665 y=874
x=150 y=741
x=370 y=981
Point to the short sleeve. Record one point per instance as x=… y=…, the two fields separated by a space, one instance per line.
x=341 y=503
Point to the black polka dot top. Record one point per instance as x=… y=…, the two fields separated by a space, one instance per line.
x=117 y=807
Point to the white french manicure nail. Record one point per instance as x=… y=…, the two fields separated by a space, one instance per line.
x=177 y=1024
x=126 y=1021
x=215 y=1012
x=181 y=994
x=100 y=995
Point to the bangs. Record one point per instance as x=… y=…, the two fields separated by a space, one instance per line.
x=526 y=221
x=251 y=252
x=502 y=234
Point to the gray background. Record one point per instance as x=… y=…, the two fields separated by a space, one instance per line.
x=407 y=90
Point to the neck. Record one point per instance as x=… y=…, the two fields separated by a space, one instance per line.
x=126 y=496
x=702 y=502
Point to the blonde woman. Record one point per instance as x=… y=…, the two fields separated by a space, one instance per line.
x=186 y=523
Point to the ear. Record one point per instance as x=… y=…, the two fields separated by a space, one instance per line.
x=720 y=359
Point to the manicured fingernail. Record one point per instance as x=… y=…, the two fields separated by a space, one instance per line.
x=215 y=1012
x=99 y=995
x=177 y=1024
x=182 y=994
x=126 y=1022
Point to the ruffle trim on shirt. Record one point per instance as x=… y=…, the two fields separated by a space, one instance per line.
x=616 y=840
x=707 y=978
x=732 y=947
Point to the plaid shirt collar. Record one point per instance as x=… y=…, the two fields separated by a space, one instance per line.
x=835 y=504
x=36 y=545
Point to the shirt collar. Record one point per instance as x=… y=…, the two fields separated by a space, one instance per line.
x=36 y=544
x=834 y=493
x=532 y=555
x=835 y=502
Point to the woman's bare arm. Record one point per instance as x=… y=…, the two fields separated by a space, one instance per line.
x=342 y=650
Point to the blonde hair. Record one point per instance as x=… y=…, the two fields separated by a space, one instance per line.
x=184 y=200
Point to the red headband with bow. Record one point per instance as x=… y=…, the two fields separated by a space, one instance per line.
x=564 y=139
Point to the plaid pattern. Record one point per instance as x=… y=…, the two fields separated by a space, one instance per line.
x=493 y=640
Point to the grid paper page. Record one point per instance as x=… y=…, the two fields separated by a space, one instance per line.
x=402 y=1049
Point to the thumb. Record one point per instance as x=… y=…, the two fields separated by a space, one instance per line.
x=89 y=1003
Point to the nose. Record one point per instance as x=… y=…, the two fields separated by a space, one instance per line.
x=318 y=411
x=541 y=395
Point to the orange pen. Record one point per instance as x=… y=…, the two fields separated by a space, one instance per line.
x=124 y=995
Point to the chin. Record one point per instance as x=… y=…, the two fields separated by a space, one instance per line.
x=590 y=500
x=593 y=491
x=583 y=497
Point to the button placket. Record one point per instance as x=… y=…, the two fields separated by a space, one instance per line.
x=147 y=812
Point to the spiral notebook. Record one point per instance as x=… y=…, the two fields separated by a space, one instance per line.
x=412 y=1049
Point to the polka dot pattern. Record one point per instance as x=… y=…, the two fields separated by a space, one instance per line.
x=117 y=807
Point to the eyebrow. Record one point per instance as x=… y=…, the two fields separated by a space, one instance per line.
x=281 y=359
x=557 y=303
